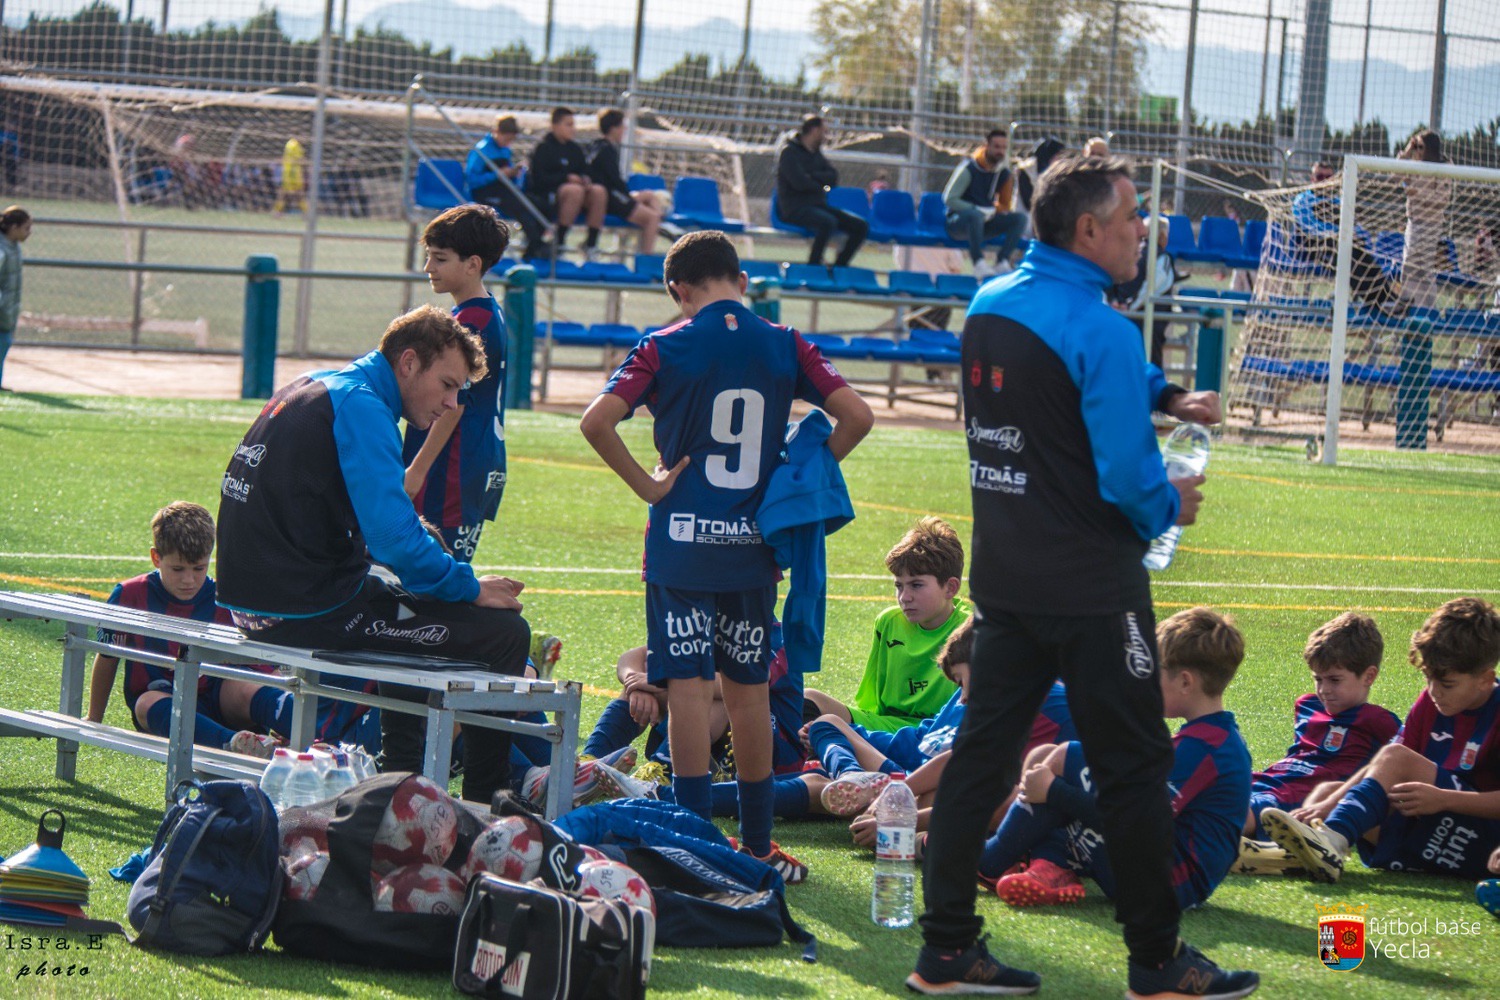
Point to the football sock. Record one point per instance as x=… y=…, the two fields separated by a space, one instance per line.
x=756 y=805
x=271 y=711
x=533 y=748
x=889 y=766
x=791 y=798
x=1363 y=807
x=1025 y=825
x=206 y=732
x=832 y=748
x=592 y=239
x=562 y=237
x=614 y=730
x=694 y=794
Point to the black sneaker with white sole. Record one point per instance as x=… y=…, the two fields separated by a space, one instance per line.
x=972 y=971
x=1189 y=973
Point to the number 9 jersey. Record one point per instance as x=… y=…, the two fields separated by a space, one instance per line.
x=720 y=386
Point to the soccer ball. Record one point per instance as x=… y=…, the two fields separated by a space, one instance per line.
x=420 y=825
x=304 y=831
x=614 y=880
x=592 y=854
x=420 y=889
x=508 y=847
x=305 y=874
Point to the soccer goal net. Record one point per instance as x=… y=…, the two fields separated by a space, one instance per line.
x=1373 y=319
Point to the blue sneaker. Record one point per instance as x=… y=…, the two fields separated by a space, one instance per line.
x=1189 y=973
x=1487 y=894
x=973 y=970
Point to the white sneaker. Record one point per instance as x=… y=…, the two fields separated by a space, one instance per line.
x=983 y=269
x=852 y=793
x=614 y=785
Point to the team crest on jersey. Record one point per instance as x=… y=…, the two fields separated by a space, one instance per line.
x=997 y=378
x=732 y=322
x=1470 y=755
x=976 y=374
x=1341 y=936
x=1335 y=738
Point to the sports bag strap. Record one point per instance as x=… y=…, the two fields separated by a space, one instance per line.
x=85 y=925
x=515 y=937
x=797 y=933
x=175 y=854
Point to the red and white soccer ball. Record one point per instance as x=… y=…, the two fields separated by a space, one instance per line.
x=420 y=889
x=304 y=875
x=592 y=854
x=304 y=831
x=420 y=825
x=609 y=879
x=509 y=847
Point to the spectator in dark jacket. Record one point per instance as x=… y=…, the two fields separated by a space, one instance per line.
x=558 y=181
x=605 y=170
x=803 y=177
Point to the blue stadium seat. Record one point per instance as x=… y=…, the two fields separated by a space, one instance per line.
x=831 y=346
x=1248 y=259
x=646 y=182
x=761 y=268
x=1282 y=256
x=1389 y=246
x=1453 y=276
x=503 y=265
x=1180 y=237
x=778 y=223
x=879 y=348
x=612 y=271
x=648 y=266
x=813 y=277
x=695 y=202
x=436 y=184
x=859 y=280
x=957 y=286
x=1218 y=241
x=615 y=334
x=932 y=220
x=893 y=219
x=915 y=283
x=850 y=199
x=935 y=345
x=565 y=333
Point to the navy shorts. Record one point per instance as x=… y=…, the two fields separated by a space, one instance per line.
x=1440 y=844
x=1267 y=798
x=697 y=633
x=209 y=690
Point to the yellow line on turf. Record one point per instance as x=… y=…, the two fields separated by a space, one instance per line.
x=582 y=593
x=1400 y=490
x=911 y=510
x=600 y=692
x=553 y=463
x=1291 y=607
x=1466 y=560
x=35 y=581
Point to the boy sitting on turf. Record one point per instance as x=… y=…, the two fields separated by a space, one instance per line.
x=1431 y=800
x=182 y=539
x=1337 y=731
x=902 y=684
x=1056 y=820
x=721 y=385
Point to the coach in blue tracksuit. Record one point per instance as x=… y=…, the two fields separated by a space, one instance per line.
x=315 y=491
x=1068 y=490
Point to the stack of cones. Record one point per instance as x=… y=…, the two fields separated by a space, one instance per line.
x=41 y=885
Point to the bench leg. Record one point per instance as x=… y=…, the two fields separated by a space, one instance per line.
x=180 y=732
x=70 y=699
x=560 y=780
x=304 y=711
x=438 y=758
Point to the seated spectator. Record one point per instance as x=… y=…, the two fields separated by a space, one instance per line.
x=491 y=173
x=803 y=179
x=1315 y=228
x=881 y=182
x=1130 y=296
x=972 y=197
x=639 y=208
x=558 y=182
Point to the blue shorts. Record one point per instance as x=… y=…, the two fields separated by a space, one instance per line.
x=1440 y=844
x=209 y=689
x=1265 y=799
x=696 y=633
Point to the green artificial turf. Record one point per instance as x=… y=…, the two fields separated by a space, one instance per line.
x=1282 y=544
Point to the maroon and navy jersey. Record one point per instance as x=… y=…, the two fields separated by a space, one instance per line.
x=1210 y=790
x=1465 y=744
x=1325 y=748
x=720 y=386
x=1053 y=722
x=464 y=484
x=147 y=593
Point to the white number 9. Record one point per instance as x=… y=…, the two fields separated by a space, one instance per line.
x=721 y=429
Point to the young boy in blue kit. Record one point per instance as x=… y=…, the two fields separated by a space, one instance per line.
x=1056 y=822
x=1430 y=801
x=455 y=469
x=720 y=385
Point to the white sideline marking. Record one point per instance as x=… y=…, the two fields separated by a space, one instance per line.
x=635 y=571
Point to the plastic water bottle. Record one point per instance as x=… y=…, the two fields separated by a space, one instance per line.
x=273 y=779
x=895 y=889
x=340 y=776
x=304 y=785
x=1185 y=453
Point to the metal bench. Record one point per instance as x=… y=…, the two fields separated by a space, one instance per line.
x=456 y=692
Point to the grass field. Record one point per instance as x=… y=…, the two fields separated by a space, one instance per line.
x=1283 y=545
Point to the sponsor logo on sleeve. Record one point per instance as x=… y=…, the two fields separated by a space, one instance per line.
x=250 y=454
x=235 y=488
x=1000 y=438
x=996 y=480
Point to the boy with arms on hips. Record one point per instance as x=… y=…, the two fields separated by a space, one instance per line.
x=1209 y=785
x=229 y=711
x=720 y=384
x=1430 y=801
x=902 y=684
x=455 y=469
x=1337 y=731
